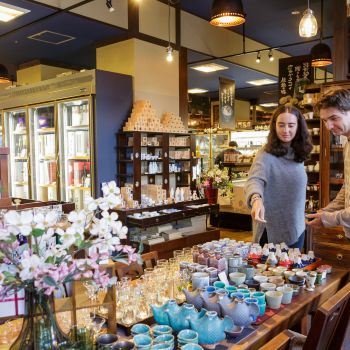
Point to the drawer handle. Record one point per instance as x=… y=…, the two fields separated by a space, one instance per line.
x=340 y=256
x=340 y=236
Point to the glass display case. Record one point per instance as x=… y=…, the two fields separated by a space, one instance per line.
x=17 y=141
x=43 y=152
x=220 y=142
x=74 y=143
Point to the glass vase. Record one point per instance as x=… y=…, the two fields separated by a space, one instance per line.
x=40 y=329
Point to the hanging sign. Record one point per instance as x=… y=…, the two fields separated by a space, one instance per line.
x=294 y=74
x=226 y=103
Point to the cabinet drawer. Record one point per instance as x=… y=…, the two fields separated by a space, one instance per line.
x=338 y=255
x=337 y=237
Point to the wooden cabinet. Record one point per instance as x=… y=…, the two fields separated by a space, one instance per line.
x=155 y=158
x=330 y=244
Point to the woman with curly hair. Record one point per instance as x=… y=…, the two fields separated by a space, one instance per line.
x=276 y=186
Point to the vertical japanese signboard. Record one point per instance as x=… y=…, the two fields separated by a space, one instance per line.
x=294 y=74
x=226 y=103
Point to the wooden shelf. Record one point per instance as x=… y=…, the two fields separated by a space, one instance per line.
x=335 y=181
x=336 y=149
x=79 y=158
x=46 y=131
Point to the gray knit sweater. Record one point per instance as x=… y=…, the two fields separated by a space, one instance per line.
x=281 y=182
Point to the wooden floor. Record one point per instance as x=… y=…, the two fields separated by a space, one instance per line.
x=237 y=235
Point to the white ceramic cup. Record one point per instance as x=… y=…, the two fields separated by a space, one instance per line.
x=266 y=286
x=200 y=279
x=287 y=294
x=237 y=277
x=274 y=299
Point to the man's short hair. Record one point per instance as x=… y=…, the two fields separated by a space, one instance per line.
x=336 y=97
x=233 y=144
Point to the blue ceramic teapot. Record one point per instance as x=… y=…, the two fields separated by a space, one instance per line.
x=160 y=313
x=212 y=303
x=210 y=328
x=180 y=319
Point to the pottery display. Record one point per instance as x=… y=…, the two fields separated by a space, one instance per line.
x=160 y=313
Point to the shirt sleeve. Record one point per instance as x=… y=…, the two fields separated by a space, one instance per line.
x=337 y=203
x=257 y=177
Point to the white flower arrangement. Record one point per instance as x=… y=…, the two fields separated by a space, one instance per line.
x=44 y=258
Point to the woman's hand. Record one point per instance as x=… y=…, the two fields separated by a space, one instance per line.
x=258 y=211
x=315 y=219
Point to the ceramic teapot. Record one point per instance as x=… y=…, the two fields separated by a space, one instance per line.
x=210 y=328
x=160 y=313
x=180 y=319
x=211 y=303
x=240 y=313
x=194 y=298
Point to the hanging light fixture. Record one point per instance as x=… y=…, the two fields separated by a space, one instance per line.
x=271 y=58
x=227 y=13
x=4 y=75
x=321 y=54
x=258 y=57
x=308 y=23
x=169 y=50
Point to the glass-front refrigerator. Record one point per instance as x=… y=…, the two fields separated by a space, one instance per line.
x=43 y=152
x=17 y=141
x=75 y=154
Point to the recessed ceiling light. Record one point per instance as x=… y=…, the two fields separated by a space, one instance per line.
x=269 y=104
x=10 y=12
x=209 y=67
x=260 y=82
x=197 y=91
x=295 y=12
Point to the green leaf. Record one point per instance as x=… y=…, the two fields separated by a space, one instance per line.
x=49 y=281
x=7 y=274
x=119 y=259
x=50 y=260
x=11 y=239
x=37 y=232
x=85 y=245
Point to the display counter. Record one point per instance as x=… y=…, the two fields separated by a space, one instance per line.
x=165 y=228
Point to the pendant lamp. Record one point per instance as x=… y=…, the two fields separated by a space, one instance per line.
x=4 y=75
x=321 y=54
x=308 y=24
x=227 y=13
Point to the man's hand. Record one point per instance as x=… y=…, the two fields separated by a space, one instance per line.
x=258 y=211
x=316 y=219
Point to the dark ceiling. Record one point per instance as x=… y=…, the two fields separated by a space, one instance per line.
x=268 y=21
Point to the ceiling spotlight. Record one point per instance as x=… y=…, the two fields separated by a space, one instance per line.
x=258 y=57
x=169 y=54
x=109 y=5
x=308 y=24
x=227 y=13
x=271 y=58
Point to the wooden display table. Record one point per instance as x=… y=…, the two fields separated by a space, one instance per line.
x=292 y=314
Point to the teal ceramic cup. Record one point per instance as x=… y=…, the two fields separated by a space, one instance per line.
x=142 y=341
x=260 y=296
x=219 y=284
x=231 y=289
x=187 y=336
x=162 y=346
x=244 y=291
x=191 y=346
x=161 y=329
x=140 y=328
x=165 y=338
x=262 y=309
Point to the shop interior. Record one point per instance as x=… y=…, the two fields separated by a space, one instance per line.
x=124 y=107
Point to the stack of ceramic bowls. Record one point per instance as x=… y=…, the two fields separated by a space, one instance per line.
x=142 y=342
x=164 y=342
x=187 y=336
